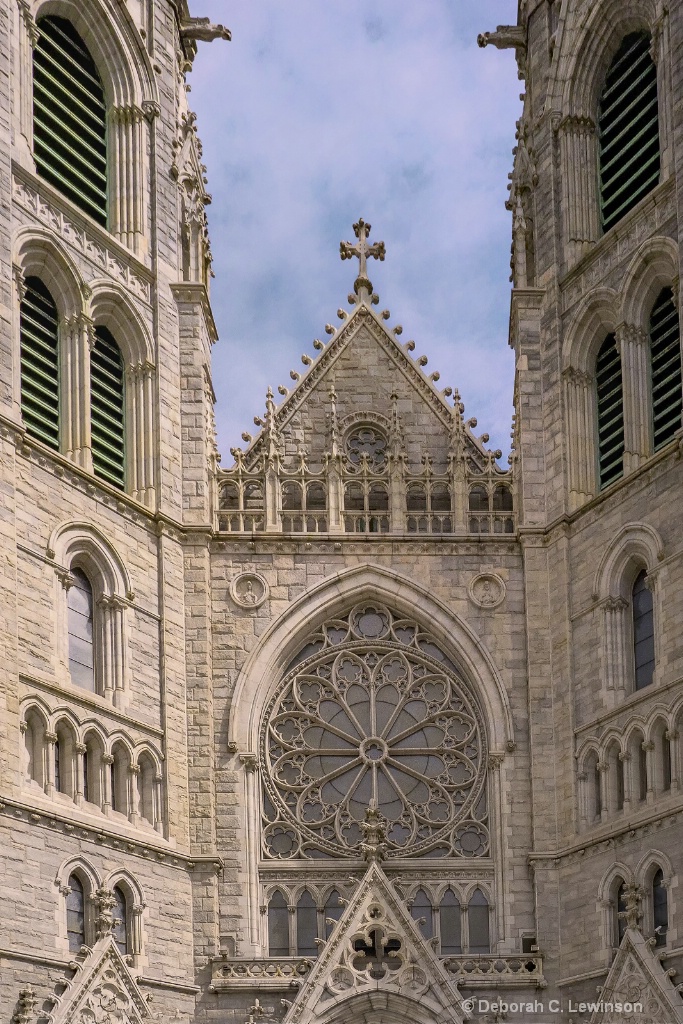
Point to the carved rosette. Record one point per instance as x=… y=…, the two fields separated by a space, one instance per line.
x=487 y=590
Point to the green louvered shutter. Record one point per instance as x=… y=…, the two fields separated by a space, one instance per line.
x=107 y=398
x=610 y=412
x=628 y=130
x=40 y=363
x=70 y=117
x=665 y=363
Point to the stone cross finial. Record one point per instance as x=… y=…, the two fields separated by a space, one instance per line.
x=373 y=847
x=362 y=285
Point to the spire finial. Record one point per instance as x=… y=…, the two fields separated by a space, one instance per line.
x=363 y=285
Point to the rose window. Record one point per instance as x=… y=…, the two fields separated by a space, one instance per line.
x=368 y=442
x=372 y=711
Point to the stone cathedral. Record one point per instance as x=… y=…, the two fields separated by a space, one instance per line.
x=359 y=725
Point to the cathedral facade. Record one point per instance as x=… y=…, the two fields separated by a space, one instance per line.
x=365 y=727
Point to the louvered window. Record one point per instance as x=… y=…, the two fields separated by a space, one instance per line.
x=665 y=362
x=107 y=396
x=628 y=130
x=40 y=363
x=610 y=412
x=70 y=117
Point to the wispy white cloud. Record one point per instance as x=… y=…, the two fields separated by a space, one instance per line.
x=318 y=113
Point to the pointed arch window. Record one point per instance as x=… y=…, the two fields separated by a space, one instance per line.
x=643 y=632
x=80 y=625
x=628 y=129
x=120 y=918
x=610 y=403
x=421 y=911
x=75 y=914
x=450 y=924
x=665 y=368
x=278 y=925
x=39 y=334
x=70 y=117
x=660 y=908
x=107 y=402
x=478 y=923
x=306 y=925
x=333 y=910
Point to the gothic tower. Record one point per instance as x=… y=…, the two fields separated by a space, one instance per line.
x=107 y=454
x=595 y=327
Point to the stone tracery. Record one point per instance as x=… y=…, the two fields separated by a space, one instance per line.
x=372 y=712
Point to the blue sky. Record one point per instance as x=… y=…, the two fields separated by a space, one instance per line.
x=323 y=111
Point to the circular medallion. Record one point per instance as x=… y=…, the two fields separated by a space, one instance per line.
x=486 y=590
x=249 y=590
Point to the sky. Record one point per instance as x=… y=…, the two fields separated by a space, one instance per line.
x=319 y=112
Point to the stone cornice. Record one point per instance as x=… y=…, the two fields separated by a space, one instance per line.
x=105 y=836
x=607 y=836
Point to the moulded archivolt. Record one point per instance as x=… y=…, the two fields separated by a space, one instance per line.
x=487 y=590
x=249 y=590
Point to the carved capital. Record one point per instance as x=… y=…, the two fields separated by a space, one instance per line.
x=574 y=124
x=28 y=20
x=630 y=334
x=81 y=748
x=65 y=577
x=250 y=762
x=107 y=759
x=151 y=110
x=51 y=737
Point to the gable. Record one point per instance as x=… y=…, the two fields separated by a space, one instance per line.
x=376 y=380
x=103 y=991
x=377 y=960
x=637 y=988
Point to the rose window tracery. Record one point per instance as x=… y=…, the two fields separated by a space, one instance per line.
x=371 y=711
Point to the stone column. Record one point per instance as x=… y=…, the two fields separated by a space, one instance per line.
x=335 y=494
x=603 y=773
x=127 y=175
x=80 y=752
x=673 y=737
x=625 y=759
x=649 y=749
x=50 y=742
x=112 y=648
x=582 y=779
x=613 y=632
x=578 y=157
x=581 y=436
x=633 y=349
x=76 y=340
x=133 y=796
x=251 y=840
x=107 y=761
x=28 y=38
x=157 y=803
x=140 y=431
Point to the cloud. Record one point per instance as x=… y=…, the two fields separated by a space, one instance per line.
x=316 y=114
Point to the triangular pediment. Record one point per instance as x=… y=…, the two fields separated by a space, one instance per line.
x=377 y=962
x=103 y=991
x=376 y=379
x=638 y=988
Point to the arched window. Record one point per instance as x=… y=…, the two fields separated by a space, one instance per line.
x=610 y=402
x=34 y=740
x=643 y=632
x=628 y=130
x=421 y=910
x=147 y=783
x=92 y=770
x=333 y=910
x=64 y=754
x=478 y=923
x=449 y=924
x=660 y=909
x=665 y=367
x=75 y=914
x=291 y=496
x=80 y=629
x=39 y=333
x=107 y=404
x=278 y=925
x=306 y=925
x=120 y=918
x=70 y=117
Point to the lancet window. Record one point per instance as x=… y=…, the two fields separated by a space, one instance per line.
x=665 y=369
x=75 y=914
x=70 y=117
x=372 y=709
x=643 y=631
x=610 y=407
x=628 y=129
x=39 y=333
